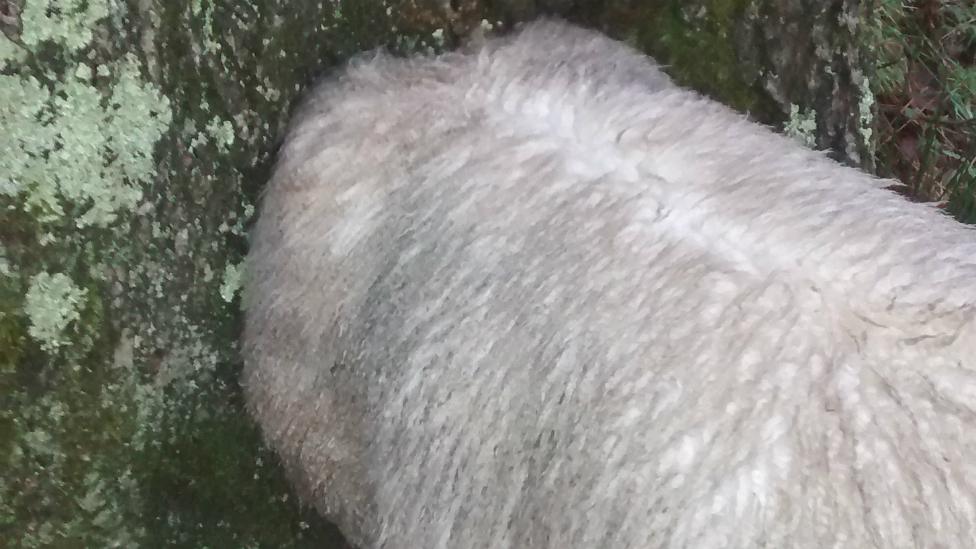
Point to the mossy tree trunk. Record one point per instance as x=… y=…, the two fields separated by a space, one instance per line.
x=136 y=136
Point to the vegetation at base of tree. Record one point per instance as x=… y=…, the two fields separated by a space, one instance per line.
x=925 y=86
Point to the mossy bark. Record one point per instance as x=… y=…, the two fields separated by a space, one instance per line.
x=121 y=422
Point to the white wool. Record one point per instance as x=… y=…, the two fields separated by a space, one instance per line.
x=535 y=295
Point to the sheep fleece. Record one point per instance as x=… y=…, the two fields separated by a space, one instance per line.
x=534 y=295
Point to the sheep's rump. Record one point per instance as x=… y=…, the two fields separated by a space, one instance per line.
x=535 y=295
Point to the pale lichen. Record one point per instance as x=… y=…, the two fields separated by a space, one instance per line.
x=10 y=51
x=203 y=12
x=21 y=102
x=865 y=110
x=222 y=132
x=438 y=37
x=67 y=23
x=218 y=131
x=231 y=283
x=71 y=146
x=802 y=126
x=51 y=304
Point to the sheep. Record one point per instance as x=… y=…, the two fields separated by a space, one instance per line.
x=534 y=294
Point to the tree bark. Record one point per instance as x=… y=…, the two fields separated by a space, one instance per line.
x=137 y=135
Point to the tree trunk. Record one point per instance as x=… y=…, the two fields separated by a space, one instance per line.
x=136 y=137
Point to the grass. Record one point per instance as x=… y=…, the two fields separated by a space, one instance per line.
x=926 y=92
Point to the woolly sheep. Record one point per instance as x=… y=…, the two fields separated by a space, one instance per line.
x=535 y=295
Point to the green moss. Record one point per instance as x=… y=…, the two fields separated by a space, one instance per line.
x=697 y=41
x=13 y=325
x=216 y=487
x=6 y=269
